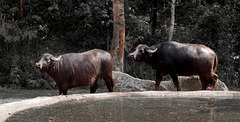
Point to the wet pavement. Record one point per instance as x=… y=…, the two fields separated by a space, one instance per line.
x=137 y=107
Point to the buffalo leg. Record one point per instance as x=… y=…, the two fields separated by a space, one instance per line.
x=204 y=82
x=60 y=90
x=175 y=81
x=109 y=83
x=64 y=92
x=213 y=80
x=64 y=89
x=93 y=87
x=158 y=81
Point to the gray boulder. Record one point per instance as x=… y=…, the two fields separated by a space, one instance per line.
x=127 y=83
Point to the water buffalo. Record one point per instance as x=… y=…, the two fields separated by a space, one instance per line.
x=179 y=59
x=78 y=69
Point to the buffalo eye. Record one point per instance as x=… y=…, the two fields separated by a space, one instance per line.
x=48 y=61
x=140 y=51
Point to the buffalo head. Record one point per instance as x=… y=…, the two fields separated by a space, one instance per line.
x=142 y=52
x=45 y=61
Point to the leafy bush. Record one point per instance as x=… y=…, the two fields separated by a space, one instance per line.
x=59 y=27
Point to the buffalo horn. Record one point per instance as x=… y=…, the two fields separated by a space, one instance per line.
x=56 y=59
x=41 y=65
x=152 y=51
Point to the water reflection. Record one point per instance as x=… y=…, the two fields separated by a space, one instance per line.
x=136 y=109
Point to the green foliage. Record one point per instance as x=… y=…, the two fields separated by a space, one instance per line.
x=54 y=27
x=213 y=24
x=63 y=26
x=216 y=26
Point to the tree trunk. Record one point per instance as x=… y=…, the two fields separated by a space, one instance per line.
x=21 y=8
x=118 y=40
x=171 y=28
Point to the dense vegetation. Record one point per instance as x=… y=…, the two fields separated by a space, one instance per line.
x=62 y=26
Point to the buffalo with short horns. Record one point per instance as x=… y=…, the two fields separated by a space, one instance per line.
x=78 y=69
x=179 y=59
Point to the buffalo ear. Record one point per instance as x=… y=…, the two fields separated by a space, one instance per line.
x=33 y=61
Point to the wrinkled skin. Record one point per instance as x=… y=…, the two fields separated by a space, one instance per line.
x=78 y=69
x=179 y=59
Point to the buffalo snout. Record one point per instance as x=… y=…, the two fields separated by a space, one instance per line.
x=35 y=63
x=130 y=55
x=38 y=65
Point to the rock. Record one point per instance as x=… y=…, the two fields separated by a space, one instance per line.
x=127 y=83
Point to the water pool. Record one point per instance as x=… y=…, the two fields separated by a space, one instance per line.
x=141 y=109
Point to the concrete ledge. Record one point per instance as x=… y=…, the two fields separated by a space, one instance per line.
x=9 y=109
